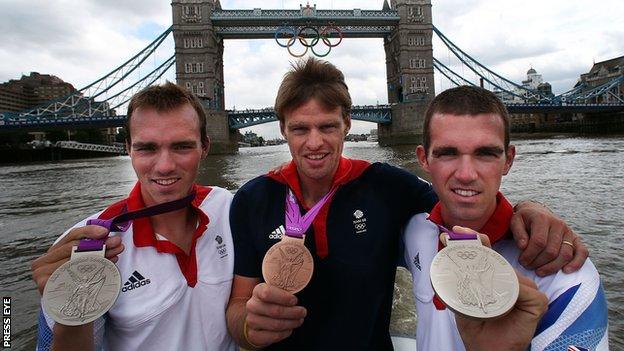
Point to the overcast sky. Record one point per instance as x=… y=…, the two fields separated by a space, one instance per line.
x=81 y=40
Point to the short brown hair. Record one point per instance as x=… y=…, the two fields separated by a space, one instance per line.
x=312 y=79
x=166 y=97
x=465 y=100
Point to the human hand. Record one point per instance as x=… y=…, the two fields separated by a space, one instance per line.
x=272 y=314
x=546 y=241
x=513 y=331
x=43 y=267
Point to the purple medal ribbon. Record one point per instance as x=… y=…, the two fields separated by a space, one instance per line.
x=296 y=226
x=456 y=236
x=121 y=223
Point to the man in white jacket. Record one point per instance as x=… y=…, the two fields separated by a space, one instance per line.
x=466 y=151
x=176 y=267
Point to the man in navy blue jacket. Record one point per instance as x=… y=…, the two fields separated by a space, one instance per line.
x=354 y=238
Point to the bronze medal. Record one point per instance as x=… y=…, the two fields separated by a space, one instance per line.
x=288 y=265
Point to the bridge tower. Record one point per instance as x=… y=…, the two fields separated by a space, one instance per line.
x=409 y=71
x=199 y=66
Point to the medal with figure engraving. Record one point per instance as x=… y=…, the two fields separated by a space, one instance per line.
x=85 y=287
x=288 y=264
x=473 y=280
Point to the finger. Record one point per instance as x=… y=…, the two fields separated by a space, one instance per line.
x=524 y=280
x=56 y=253
x=538 y=240
x=260 y=322
x=530 y=300
x=274 y=295
x=89 y=231
x=580 y=255
x=566 y=253
x=463 y=230
x=550 y=253
x=518 y=229
x=43 y=273
x=113 y=252
x=485 y=240
x=112 y=242
x=259 y=307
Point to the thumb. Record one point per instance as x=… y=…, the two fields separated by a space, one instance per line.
x=485 y=240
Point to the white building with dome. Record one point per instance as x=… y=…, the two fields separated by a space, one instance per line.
x=534 y=82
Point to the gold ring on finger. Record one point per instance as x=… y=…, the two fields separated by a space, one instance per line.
x=568 y=243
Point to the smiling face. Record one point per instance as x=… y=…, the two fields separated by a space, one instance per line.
x=315 y=137
x=166 y=151
x=466 y=160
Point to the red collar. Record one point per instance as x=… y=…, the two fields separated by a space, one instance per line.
x=496 y=227
x=347 y=171
x=143 y=232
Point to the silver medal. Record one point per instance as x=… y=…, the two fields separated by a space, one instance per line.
x=474 y=280
x=82 y=289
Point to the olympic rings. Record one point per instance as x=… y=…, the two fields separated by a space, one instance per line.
x=326 y=34
x=301 y=34
x=306 y=32
x=321 y=55
x=285 y=30
x=291 y=41
x=467 y=255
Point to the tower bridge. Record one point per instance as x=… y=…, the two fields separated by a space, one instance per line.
x=405 y=26
x=201 y=26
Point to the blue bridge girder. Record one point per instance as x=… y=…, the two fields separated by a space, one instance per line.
x=246 y=118
x=262 y=24
x=11 y=122
x=563 y=108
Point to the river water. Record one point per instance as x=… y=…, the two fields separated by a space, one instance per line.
x=581 y=179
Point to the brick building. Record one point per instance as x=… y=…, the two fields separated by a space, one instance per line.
x=604 y=72
x=32 y=90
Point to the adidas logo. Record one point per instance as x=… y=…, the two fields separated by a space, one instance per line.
x=277 y=233
x=135 y=281
x=417 y=261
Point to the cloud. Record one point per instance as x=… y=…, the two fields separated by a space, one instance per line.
x=80 y=41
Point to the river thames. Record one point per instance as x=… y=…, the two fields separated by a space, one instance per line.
x=581 y=179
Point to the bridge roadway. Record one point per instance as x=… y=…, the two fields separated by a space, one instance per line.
x=246 y=118
x=250 y=117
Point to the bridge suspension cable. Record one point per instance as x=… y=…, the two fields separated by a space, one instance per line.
x=148 y=80
x=578 y=94
x=493 y=78
x=83 y=102
x=451 y=75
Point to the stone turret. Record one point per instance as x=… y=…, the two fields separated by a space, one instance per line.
x=199 y=66
x=409 y=70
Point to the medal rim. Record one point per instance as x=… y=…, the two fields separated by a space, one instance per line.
x=434 y=279
x=270 y=252
x=46 y=291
